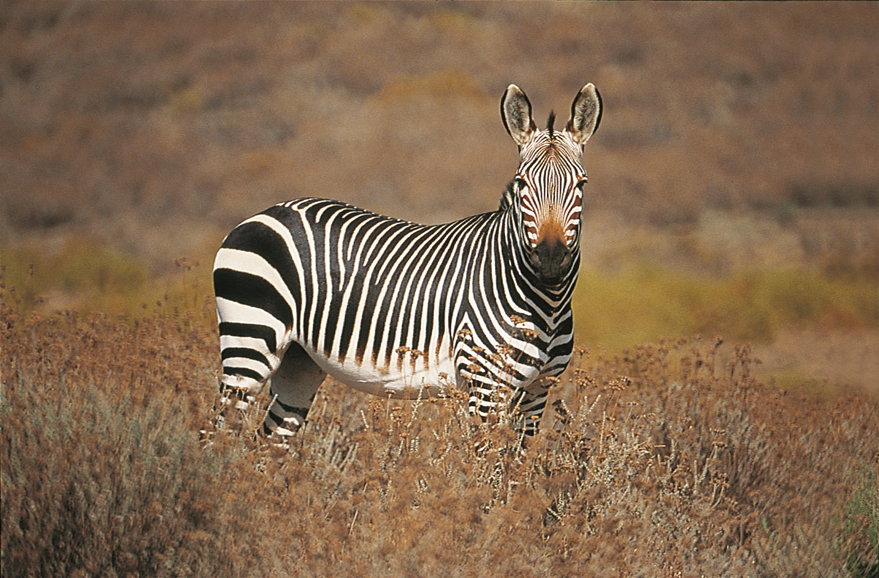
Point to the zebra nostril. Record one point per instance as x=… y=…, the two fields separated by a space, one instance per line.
x=551 y=261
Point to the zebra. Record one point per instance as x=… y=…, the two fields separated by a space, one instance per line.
x=312 y=287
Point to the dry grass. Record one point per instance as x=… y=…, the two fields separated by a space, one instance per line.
x=670 y=459
x=132 y=133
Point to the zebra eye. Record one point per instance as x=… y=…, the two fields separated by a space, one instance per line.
x=580 y=183
x=520 y=183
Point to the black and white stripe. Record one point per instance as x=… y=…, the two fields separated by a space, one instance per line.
x=314 y=286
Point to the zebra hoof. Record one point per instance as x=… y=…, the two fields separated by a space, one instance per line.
x=289 y=427
x=237 y=399
x=282 y=431
x=235 y=403
x=285 y=427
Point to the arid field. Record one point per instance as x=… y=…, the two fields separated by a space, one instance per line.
x=720 y=418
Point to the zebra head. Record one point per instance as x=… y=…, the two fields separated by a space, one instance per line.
x=548 y=186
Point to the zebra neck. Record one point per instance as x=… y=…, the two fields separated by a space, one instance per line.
x=550 y=302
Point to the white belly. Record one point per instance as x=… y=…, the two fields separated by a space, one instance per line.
x=399 y=380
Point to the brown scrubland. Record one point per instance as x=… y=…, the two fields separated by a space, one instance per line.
x=720 y=416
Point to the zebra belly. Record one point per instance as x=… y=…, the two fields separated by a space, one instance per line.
x=400 y=381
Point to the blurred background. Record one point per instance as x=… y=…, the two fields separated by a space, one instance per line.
x=733 y=183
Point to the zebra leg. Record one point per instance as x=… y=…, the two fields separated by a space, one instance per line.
x=527 y=406
x=294 y=386
x=247 y=364
x=248 y=351
x=485 y=397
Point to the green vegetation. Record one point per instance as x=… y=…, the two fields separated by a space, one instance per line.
x=90 y=276
x=860 y=538
x=92 y=273
x=643 y=303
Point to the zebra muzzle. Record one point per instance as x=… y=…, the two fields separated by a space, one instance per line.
x=551 y=260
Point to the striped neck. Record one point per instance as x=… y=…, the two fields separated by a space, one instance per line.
x=516 y=245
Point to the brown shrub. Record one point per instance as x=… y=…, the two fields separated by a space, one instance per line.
x=668 y=459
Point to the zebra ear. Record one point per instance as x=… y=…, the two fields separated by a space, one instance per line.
x=585 y=114
x=516 y=114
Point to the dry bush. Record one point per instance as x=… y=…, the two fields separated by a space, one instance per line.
x=668 y=459
x=161 y=125
x=103 y=473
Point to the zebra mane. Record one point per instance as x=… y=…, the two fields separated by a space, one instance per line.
x=507 y=197
x=550 y=124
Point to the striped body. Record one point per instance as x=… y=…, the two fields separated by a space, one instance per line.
x=314 y=287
